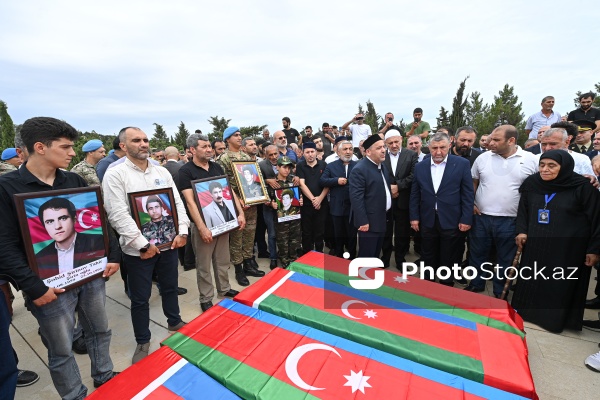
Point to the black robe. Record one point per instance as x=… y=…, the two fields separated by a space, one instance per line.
x=561 y=247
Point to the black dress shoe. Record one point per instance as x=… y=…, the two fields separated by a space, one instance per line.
x=264 y=255
x=206 y=305
x=462 y=281
x=231 y=293
x=591 y=325
x=251 y=270
x=79 y=346
x=285 y=265
x=593 y=304
x=97 y=384
x=181 y=291
x=273 y=264
x=26 y=378
x=471 y=288
x=240 y=276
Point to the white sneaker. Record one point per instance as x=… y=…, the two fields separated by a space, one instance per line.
x=593 y=362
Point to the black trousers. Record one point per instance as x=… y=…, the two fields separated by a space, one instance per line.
x=345 y=235
x=399 y=228
x=261 y=230
x=313 y=228
x=441 y=247
x=370 y=243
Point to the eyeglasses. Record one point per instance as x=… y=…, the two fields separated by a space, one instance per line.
x=281 y=138
x=360 y=118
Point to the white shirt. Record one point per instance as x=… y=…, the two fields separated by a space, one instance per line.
x=388 y=195
x=124 y=179
x=359 y=132
x=583 y=164
x=65 y=257
x=421 y=157
x=394 y=160
x=500 y=179
x=437 y=173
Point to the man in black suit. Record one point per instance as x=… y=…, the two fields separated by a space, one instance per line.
x=335 y=177
x=172 y=163
x=268 y=168
x=441 y=205
x=400 y=164
x=57 y=215
x=370 y=197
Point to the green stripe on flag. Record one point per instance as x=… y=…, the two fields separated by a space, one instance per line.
x=410 y=349
x=244 y=380
x=406 y=297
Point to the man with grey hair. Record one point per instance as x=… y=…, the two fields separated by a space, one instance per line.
x=266 y=135
x=208 y=250
x=415 y=143
x=281 y=142
x=542 y=118
x=497 y=177
x=441 y=205
x=558 y=139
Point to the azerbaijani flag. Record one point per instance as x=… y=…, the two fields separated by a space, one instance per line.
x=87 y=217
x=162 y=375
x=418 y=293
x=258 y=355
x=143 y=213
x=204 y=195
x=461 y=347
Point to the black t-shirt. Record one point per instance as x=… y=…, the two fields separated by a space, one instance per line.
x=592 y=115
x=291 y=135
x=472 y=156
x=311 y=176
x=191 y=172
x=391 y=128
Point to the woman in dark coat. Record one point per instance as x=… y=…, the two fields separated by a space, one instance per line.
x=558 y=226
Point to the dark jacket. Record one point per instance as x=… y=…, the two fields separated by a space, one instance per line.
x=339 y=196
x=403 y=176
x=367 y=195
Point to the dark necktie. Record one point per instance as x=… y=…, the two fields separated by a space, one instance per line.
x=583 y=149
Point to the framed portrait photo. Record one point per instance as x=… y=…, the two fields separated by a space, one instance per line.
x=288 y=203
x=251 y=182
x=65 y=235
x=216 y=205
x=155 y=214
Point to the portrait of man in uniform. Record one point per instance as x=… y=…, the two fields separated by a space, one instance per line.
x=161 y=228
x=288 y=204
x=251 y=182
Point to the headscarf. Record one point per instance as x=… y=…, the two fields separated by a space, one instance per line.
x=565 y=180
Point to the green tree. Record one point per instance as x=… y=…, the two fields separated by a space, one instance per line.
x=7 y=128
x=505 y=110
x=159 y=140
x=372 y=118
x=475 y=114
x=254 y=130
x=457 y=117
x=442 y=119
x=219 y=126
x=596 y=102
x=181 y=136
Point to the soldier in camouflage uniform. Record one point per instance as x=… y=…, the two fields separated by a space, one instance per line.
x=94 y=152
x=241 y=242
x=289 y=233
x=10 y=161
x=160 y=229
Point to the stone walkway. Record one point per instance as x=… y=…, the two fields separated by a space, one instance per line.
x=556 y=360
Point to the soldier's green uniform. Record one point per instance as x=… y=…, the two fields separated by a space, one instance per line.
x=289 y=234
x=5 y=168
x=88 y=172
x=241 y=241
x=160 y=232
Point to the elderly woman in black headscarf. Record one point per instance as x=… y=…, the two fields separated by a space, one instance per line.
x=558 y=226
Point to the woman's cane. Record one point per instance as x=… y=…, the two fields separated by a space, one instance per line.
x=511 y=272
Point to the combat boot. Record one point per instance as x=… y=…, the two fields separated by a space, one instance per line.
x=240 y=276
x=251 y=270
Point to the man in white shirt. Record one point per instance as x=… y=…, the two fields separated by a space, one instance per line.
x=360 y=130
x=137 y=174
x=497 y=176
x=558 y=139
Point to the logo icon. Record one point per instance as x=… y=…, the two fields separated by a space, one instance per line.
x=359 y=266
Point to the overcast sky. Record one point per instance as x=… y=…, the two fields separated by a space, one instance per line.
x=110 y=64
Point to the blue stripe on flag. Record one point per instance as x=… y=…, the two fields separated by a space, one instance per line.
x=191 y=382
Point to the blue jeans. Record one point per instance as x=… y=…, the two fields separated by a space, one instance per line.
x=269 y=216
x=8 y=365
x=139 y=279
x=488 y=229
x=57 y=322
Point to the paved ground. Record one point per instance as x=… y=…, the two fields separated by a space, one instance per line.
x=556 y=360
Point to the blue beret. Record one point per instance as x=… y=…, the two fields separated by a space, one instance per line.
x=9 y=153
x=92 y=145
x=230 y=131
x=110 y=152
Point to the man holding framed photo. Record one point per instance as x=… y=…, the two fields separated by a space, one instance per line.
x=209 y=250
x=49 y=143
x=141 y=256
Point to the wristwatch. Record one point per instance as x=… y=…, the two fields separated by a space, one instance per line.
x=145 y=248
x=183 y=235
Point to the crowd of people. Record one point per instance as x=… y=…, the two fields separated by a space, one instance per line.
x=363 y=194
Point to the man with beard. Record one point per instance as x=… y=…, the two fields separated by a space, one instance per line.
x=218 y=147
x=388 y=124
x=290 y=133
x=281 y=142
x=328 y=137
x=586 y=111
x=463 y=144
x=315 y=208
x=318 y=141
x=269 y=169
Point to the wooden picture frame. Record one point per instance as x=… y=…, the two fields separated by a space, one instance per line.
x=208 y=193
x=254 y=192
x=288 y=203
x=160 y=224
x=64 y=220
